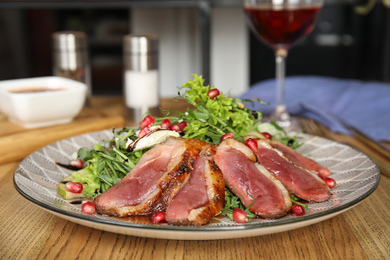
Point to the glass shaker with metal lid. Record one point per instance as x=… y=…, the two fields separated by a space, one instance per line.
x=70 y=56
x=141 y=77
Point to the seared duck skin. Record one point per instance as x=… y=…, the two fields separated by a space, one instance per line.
x=201 y=197
x=153 y=182
x=170 y=173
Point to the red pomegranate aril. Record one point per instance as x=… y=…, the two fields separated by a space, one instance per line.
x=298 y=210
x=240 y=216
x=158 y=217
x=144 y=131
x=77 y=163
x=213 y=93
x=252 y=144
x=166 y=124
x=147 y=121
x=330 y=182
x=226 y=136
x=88 y=208
x=176 y=128
x=183 y=125
x=74 y=187
x=267 y=135
x=323 y=173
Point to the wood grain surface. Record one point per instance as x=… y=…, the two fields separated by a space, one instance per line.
x=21 y=142
x=29 y=232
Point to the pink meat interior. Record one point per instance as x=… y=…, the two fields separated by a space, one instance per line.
x=242 y=177
x=296 y=180
x=192 y=195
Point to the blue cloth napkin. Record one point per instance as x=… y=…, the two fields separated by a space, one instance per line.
x=363 y=105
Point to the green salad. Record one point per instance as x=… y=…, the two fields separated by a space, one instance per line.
x=213 y=116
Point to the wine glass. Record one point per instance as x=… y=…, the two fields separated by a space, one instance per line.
x=281 y=24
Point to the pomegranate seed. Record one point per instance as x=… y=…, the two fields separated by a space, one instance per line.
x=158 y=217
x=323 y=173
x=88 y=208
x=213 y=93
x=298 y=210
x=74 y=187
x=166 y=124
x=144 y=131
x=240 y=216
x=267 y=135
x=77 y=163
x=176 y=128
x=251 y=143
x=330 y=182
x=183 y=125
x=86 y=200
x=226 y=136
x=147 y=121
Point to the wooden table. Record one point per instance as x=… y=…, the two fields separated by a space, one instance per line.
x=29 y=232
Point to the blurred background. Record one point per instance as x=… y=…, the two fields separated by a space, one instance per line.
x=204 y=37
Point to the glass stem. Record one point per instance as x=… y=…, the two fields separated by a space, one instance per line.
x=280 y=112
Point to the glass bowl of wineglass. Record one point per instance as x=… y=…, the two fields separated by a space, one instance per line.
x=281 y=24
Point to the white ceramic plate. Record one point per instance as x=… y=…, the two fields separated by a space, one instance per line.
x=37 y=176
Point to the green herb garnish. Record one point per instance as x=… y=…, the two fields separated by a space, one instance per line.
x=212 y=118
x=107 y=164
x=232 y=202
x=294 y=200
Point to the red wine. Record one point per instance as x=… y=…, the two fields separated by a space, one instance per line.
x=284 y=26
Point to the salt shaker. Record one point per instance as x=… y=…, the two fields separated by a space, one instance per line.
x=141 y=76
x=70 y=56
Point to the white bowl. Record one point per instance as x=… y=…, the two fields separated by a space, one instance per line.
x=41 y=101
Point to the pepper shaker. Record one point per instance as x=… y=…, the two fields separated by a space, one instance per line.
x=70 y=55
x=141 y=76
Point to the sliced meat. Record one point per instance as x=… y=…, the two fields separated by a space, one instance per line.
x=245 y=178
x=200 y=198
x=154 y=181
x=174 y=181
x=236 y=145
x=299 y=181
x=297 y=158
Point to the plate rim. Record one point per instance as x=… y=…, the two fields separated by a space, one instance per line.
x=180 y=229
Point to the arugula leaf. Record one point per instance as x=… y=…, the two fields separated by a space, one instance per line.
x=250 y=214
x=84 y=154
x=232 y=202
x=107 y=164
